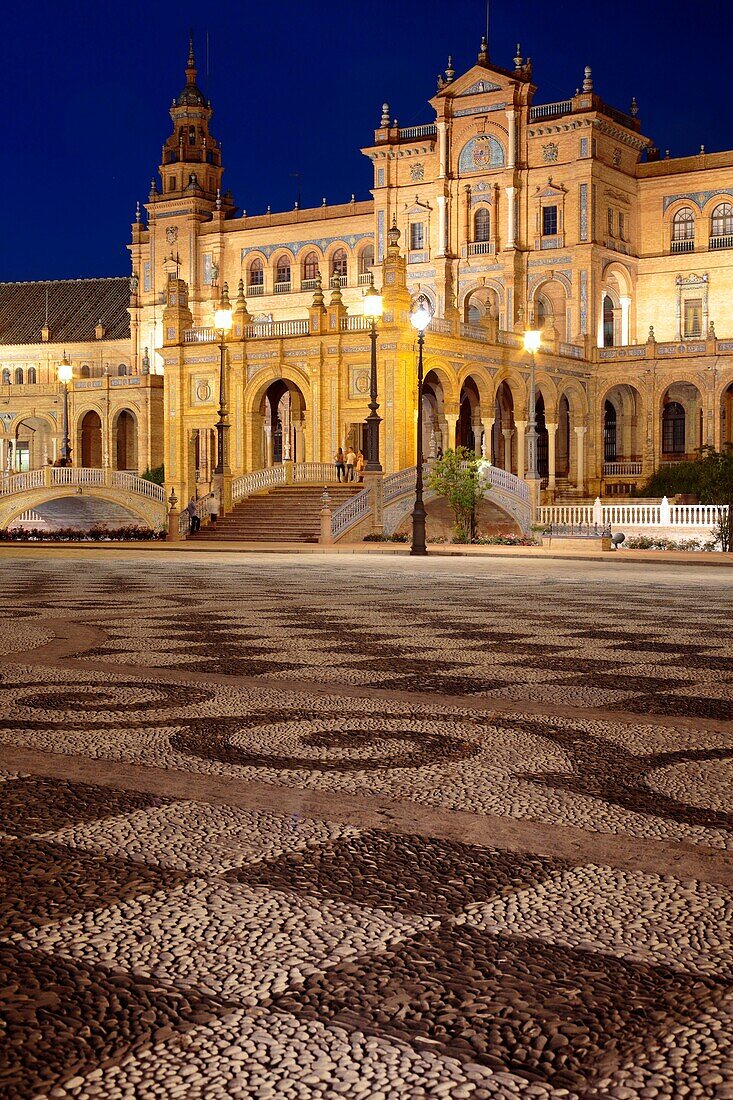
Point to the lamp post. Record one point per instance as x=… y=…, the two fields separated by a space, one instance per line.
x=420 y=318
x=223 y=322
x=373 y=309
x=532 y=340
x=65 y=374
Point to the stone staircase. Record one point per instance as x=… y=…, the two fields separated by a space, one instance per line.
x=287 y=513
x=566 y=493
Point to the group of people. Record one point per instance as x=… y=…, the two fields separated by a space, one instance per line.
x=349 y=466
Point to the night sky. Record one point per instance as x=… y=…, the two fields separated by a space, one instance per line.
x=298 y=87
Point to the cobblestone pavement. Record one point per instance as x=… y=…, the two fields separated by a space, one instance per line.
x=378 y=828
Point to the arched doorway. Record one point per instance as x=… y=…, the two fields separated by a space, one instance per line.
x=609 y=317
x=549 y=310
x=125 y=449
x=468 y=431
x=726 y=416
x=681 y=422
x=283 y=417
x=91 y=439
x=503 y=442
x=562 y=446
x=32 y=444
x=543 y=442
x=480 y=305
x=609 y=432
x=673 y=430
x=435 y=427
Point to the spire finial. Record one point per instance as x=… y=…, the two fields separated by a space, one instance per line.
x=634 y=109
x=191 y=64
x=137 y=211
x=384 y=121
x=588 y=79
x=518 y=60
x=450 y=72
x=483 y=54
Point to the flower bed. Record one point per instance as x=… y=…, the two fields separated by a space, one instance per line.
x=132 y=533
x=650 y=542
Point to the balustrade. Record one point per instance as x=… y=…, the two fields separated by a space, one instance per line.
x=349 y=513
x=320 y=472
x=622 y=469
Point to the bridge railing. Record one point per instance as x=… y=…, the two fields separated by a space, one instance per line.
x=322 y=472
x=256 y=481
x=619 y=516
x=349 y=513
x=51 y=477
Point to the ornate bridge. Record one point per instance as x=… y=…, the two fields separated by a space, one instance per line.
x=24 y=492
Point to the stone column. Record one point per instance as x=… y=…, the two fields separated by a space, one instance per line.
x=580 y=457
x=551 y=437
x=488 y=426
x=373 y=483
x=510 y=234
x=507 y=433
x=521 y=426
x=441 y=225
x=268 y=441
x=512 y=144
x=442 y=128
x=625 y=320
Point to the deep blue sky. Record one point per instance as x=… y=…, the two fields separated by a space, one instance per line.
x=297 y=87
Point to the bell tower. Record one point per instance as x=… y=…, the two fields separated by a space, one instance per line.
x=191 y=160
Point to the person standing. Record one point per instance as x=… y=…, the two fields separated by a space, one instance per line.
x=338 y=458
x=360 y=464
x=194 y=523
x=350 y=464
x=213 y=507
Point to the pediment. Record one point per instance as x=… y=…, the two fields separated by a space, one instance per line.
x=418 y=207
x=479 y=80
x=550 y=190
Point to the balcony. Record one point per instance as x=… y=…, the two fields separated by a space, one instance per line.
x=721 y=242
x=308 y=284
x=282 y=288
x=481 y=248
x=687 y=245
x=622 y=469
x=255 y=290
x=550 y=110
x=365 y=278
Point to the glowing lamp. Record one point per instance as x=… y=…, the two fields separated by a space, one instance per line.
x=65 y=370
x=421 y=316
x=373 y=307
x=532 y=340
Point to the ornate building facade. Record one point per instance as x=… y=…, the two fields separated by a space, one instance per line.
x=506 y=214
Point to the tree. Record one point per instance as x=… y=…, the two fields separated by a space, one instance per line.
x=156 y=474
x=715 y=486
x=455 y=477
x=709 y=477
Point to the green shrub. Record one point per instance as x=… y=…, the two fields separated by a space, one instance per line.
x=131 y=533
x=156 y=474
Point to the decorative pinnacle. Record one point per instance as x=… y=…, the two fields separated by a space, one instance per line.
x=191 y=63
x=518 y=60
x=450 y=72
x=384 y=120
x=588 y=79
x=137 y=211
x=483 y=55
x=634 y=109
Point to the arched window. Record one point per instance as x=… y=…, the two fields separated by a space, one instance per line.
x=6 y=376
x=339 y=264
x=282 y=275
x=310 y=267
x=19 y=376
x=32 y=375
x=608 y=321
x=721 y=225
x=192 y=135
x=673 y=429
x=85 y=372
x=481 y=225
x=121 y=369
x=256 y=274
x=683 y=230
x=366 y=260
x=542 y=313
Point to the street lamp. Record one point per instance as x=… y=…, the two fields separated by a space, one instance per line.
x=373 y=309
x=420 y=318
x=532 y=341
x=65 y=374
x=223 y=322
